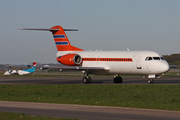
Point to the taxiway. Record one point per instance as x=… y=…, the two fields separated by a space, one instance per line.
x=78 y=80
x=85 y=112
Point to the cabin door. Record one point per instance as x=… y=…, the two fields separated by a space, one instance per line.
x=138 y=63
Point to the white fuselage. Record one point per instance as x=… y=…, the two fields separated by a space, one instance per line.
x=16 y=72
x=137 y=65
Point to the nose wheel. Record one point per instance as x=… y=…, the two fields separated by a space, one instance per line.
x=150 y=81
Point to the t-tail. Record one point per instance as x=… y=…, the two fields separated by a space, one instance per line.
x=61 y=41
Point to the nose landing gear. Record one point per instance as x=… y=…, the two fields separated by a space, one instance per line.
x=150 y=81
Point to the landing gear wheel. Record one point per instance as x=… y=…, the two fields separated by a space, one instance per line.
x=86 y=80
x=90 y=80
x=118 y=80
x=150 y=81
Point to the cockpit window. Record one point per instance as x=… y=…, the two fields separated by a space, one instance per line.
x=148 y=58
x=156 y=58
x=162 y=58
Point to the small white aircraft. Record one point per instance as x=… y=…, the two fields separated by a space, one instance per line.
x=21 y=72
x=118 y=63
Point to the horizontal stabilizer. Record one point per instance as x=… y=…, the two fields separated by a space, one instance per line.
x=47 y=29
x=173 y=66
x=61 y=40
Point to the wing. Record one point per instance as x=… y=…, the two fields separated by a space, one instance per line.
x=70 y=68
x=173 y=66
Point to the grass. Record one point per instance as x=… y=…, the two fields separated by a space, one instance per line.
x=172 y=74
x=165 y=97
x=22 y=116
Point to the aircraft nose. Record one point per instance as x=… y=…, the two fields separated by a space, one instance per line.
x=6 y=73
x=164 y=67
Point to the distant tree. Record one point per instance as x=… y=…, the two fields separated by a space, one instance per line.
x=173 y=59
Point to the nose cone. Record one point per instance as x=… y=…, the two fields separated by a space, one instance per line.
x=6 y=73
x=164 y=67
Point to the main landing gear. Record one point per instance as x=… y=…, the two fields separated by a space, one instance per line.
x=118 y=79
x=150 y=81
x=86 y=80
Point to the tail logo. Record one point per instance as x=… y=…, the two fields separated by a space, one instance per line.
x=62 y=43
x=59 y=36
x=58 y=39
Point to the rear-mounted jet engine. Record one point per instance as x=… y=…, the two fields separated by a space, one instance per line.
x=70 y=59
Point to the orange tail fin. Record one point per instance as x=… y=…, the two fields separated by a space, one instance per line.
x=61 y=40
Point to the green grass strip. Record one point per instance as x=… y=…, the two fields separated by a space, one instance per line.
x=22 y=116
x=165 y=97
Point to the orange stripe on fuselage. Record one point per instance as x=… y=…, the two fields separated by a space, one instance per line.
x=108 y=59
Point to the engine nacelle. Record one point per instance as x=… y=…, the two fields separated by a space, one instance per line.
x=70 y=59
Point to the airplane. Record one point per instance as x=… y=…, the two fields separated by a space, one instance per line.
x=21 y=72
x=117 y=63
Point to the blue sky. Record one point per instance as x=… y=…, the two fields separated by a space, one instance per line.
x=103 y=25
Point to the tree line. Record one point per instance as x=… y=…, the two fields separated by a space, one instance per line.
x=173 y=59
